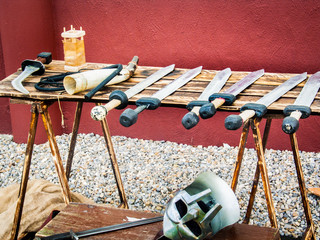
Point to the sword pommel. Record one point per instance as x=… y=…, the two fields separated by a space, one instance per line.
x=290 y=125
x=190 y=120
x=207 y=110
x=233 y=122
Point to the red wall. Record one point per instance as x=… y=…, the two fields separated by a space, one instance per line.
x=279 y=36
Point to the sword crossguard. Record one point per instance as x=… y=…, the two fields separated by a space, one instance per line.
x=259 y=109
x=196 y=103
x=121 y=96
x=305 y=110
x=150 y=102
x=228 y=98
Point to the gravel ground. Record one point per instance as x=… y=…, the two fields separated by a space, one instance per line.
x=152 y=171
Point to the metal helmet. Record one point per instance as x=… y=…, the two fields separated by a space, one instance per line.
x=205 y=206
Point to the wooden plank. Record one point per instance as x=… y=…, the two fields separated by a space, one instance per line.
x=246 y=232
x=191 y=91
x=80 y=217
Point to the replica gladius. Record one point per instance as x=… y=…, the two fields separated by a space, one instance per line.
x=191 y=119
x=259 y=108
x=119 y=99
x=130 y=116
x=228 y=96
x=301 y=107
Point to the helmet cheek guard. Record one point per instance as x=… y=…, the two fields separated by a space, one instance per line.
x=197 y=211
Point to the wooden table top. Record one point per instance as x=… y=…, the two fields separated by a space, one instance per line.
x=189 y=92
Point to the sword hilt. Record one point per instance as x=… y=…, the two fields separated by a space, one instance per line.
x=234 y=122
x=249 y=110
x=290 y=123
x=130 y=116
x=42 y=58
x=209 y=110
x=118 y=99
x=191 y=119
x=216 y=100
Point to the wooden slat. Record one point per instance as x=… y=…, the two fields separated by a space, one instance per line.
x=191 y=91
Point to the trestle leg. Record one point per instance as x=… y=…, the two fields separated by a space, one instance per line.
x=114 y=164
x=257 y=173
x=74 y=135
x=43 y=110
x=25 y=173
x=261 y=168
x=310 y=231
x=243 y=141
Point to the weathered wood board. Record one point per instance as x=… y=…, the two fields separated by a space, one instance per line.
x=80 y=217
x=180 y=98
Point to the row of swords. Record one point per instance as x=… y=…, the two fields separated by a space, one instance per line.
x=211 y=99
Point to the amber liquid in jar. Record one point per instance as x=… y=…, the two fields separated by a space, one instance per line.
x=74 y=54
x=73 y=46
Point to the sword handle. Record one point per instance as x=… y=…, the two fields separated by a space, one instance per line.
x=234 y=122
x=191 y=119
x=118 y=99
x=209 y=110
x=130 y=116
x=98 y=113
x=249 y=110
x=290 y=124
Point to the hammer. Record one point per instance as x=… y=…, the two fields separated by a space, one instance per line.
x=31 y=67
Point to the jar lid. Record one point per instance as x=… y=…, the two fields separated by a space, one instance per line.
x=73 y=33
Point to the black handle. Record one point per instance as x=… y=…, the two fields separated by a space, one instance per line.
x=130 y=116
x=233 y=122
x=290 y=125
x=190 y=120
x=207 y=111
x=118 y=69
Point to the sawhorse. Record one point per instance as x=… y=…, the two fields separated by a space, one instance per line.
x=42 y=108
x=260 y=145
x=36 y=108
x=107 y=137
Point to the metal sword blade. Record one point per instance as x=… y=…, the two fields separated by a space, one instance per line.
x=216 y=84
x=245 y=82
x=17 y=82
x=177 y=83
x=282 y=89
x=309 y=91
x=106 y=229
x=149 y=80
